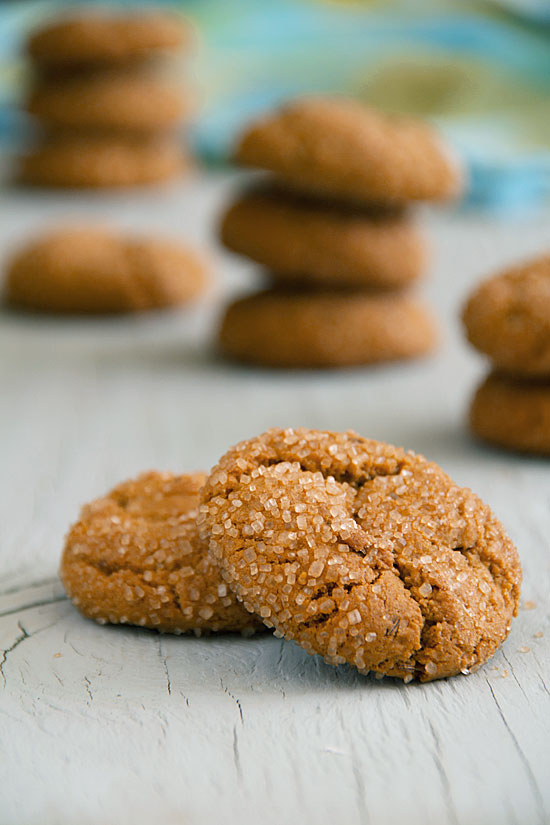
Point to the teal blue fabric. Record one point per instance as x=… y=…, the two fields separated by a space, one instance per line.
x=482 y=75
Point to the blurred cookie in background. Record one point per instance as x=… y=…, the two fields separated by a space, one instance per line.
x=100 y=38
x=116 y=100
x=507 y=319
x=340 y=148
x=302 y=240
x=83 y=160
x=512 y=413
x=293 y=328
x=91 y=269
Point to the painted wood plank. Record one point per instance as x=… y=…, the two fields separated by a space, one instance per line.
x=117 y=725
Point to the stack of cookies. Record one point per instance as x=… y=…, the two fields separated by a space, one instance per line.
x=109 y=114
x=508 y=319
x=332 y=230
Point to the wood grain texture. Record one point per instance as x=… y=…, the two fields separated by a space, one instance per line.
x=116 y=725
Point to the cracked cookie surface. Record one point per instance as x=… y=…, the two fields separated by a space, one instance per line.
x=508 y=318
x=361 y=552
x=135 y=557
x=341 y=148
x=96 y=270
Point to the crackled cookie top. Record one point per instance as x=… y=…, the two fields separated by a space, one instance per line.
x=344 y=149
x=508 y=318
x=361 y=552
x=135 y=557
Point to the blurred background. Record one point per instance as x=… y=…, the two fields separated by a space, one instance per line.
x=479 y=70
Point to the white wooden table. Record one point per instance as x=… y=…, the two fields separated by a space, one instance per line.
x=118 y=725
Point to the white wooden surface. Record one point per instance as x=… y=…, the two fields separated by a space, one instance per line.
x=116 y=725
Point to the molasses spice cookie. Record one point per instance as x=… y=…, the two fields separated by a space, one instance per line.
x=361 y=552
x=299 y=329
x=135 y=557
x=103 y=39
x=102 y=160
x=115 y=100
x=340 y=148
x=508 y=318
x=320 y=244
x=513 y=413
x=95 y=270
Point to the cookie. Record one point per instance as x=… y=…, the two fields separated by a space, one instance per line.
x=103 y=39
x=508 y=318
x=135 y=557
x=343 y=149
x=96 y=270
x=512 y=413
x=290 y=328
x=113 y=101
x=361 y=552
x=102 y=161
x=305 y=241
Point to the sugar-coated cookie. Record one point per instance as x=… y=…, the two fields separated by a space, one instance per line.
x=361 y=552
x=344 y=149
x=135 y=557
x=97 y=270
x=290 y=328
x=508 y=318
x=513 y=413
x=318 y=243
x=110 y=100
x=102 y=161
x=98 y=38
